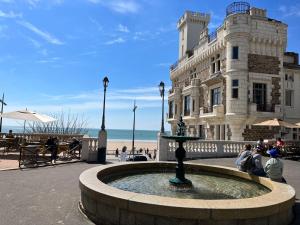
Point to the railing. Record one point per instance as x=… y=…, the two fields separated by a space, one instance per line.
x=174 y=66
x=202 y=149
x=238 y=7
x=265 y=108
x=212 y=36
x=43 y=136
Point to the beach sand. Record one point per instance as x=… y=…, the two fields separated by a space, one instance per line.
x=112 y=145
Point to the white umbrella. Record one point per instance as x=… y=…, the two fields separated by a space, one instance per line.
x=28 y=115
x=276 y=123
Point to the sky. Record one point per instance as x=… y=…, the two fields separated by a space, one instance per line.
x=55 y=53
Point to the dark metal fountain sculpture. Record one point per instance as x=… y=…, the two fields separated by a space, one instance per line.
x=180 y=153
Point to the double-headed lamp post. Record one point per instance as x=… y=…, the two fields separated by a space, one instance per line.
x=105 y=84
x=162 y=94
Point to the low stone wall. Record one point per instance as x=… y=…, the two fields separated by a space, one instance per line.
x=104 y=204
x=200 y=149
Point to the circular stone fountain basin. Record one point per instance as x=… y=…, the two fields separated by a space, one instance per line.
x=271 y=203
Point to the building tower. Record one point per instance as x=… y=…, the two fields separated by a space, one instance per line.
x=190 y=25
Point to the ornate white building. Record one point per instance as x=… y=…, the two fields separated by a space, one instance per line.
x=241 y=74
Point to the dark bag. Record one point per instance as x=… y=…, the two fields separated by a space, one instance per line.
x=246 y=163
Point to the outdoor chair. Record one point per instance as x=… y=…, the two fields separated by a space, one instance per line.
x=74 y=150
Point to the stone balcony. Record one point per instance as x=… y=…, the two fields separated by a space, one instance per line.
x=266 y=110
x=217 y=111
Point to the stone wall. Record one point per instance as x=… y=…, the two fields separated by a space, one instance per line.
x=257 y=132
x=275 y=94
x=263 y=64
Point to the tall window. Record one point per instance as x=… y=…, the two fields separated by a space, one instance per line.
x=218 y=63
x=260 y=96
x=182 y=34
x=216 y=96
x=215 y=64
x=201 y=132
x=187 y=105
x=235 y=52
x=289 y=97
x=235 y=89
x=171 y=109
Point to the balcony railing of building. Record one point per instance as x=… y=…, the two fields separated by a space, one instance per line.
x=238 y=7
x=174 y=66
x=265 y=108
x=212 y=36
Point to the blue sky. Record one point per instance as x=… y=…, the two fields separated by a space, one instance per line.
x=54 y=53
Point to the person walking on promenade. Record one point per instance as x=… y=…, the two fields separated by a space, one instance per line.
x=52 y=146
x=257 y=166
x=123 y=154
x=274 y=166
x=242 y=158
x=117 y=153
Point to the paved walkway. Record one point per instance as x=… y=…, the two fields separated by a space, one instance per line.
x=49 y=195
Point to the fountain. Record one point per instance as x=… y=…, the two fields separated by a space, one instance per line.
x=180 y=138
x=144 y=193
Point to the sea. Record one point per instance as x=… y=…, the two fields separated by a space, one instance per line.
x=112 y=134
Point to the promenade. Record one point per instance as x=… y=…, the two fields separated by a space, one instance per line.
x=49 y=195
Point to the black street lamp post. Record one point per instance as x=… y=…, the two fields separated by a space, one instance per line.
x=133 y=128
x=2 y=104
x=102 y=141
x=162 y=94
x=105 y=84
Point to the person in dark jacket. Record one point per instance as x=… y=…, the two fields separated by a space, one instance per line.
x=51 y=145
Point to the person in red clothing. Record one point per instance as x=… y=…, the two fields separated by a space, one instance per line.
x=280 y=145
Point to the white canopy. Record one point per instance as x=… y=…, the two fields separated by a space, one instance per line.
x=28 y=115
x=276 y=123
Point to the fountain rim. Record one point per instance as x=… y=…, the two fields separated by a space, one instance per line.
x=280 y=197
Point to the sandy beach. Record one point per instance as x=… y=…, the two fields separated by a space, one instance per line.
x=112 y=145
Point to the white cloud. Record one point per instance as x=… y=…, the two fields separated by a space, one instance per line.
x=95 y=22
x=120 y=6
x=290 y=10
x=115 y=41
x=163 y=64
x=48 y=3
x=7 y=1
x=122 y=28
x=10 y=14
x=49 y=60
x=46 y=36
x=34 y=42
x=33 y=2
